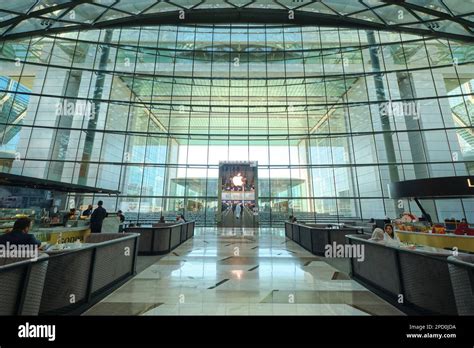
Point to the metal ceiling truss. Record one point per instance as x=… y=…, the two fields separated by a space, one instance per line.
x=434 y=18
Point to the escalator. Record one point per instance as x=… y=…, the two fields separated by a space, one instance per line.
x=247 y=219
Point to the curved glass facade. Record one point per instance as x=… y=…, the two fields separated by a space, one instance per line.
x=330 y=115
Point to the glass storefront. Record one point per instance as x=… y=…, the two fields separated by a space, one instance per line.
x=331 y=116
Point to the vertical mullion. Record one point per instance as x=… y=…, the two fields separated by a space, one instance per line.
x=189 y=126
x=290 y=191
x=169 y=139
x=270 y=199
x=309 y=202
x=209 y=133
x=58 y=121
x=40 y=99
x=375 y=143
x=17 y=86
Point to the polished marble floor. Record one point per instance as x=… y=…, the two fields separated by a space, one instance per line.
x=241 y=272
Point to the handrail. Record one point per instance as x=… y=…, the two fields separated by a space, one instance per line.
x=398 y=248
x=86 y=246
x=41 y=257
x=460 y=262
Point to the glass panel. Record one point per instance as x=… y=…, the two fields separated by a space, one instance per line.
x=330 y=116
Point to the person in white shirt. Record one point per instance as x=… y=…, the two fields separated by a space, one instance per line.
x=180 y=219
x=238 y=210
x=389 y=235
x=378 y=235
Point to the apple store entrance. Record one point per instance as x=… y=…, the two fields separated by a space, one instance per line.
x=238 y=196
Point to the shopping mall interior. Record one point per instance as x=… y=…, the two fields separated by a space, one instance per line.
x=235 y=146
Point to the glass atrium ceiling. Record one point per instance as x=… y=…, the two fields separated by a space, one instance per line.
x=440 y=18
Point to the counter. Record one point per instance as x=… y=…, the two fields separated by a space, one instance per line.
x=416 y=280
x=68 y=234
x=21 y=285
x=162 y=238
x=461 y=269
x=315 y=237
x=442 y=241
x=68 y=281
x=111 y=224
x=80 y=277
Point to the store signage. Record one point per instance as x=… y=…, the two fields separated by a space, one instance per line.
x=238 y=180
x=250 y=163
x=238 y=196
x=453 y=186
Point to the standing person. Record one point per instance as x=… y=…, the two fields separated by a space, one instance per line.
x=121 y=216
x=238 y=210
x=97 y=218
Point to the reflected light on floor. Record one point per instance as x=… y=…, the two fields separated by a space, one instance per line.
x=237 y=273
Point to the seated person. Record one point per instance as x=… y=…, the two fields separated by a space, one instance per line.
x=162 y=220
x=19 y=235
x=389 y=235
x=377 y=235
x=88 y=211
x=55 y=220
x=72 y=214
x=69 y=217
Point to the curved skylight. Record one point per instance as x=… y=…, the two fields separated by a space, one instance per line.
x=441 y=18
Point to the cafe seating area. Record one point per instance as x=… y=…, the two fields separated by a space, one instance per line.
x=70 y=280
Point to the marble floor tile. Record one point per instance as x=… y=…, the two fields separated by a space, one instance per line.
x=121 y=308
x=242 y=272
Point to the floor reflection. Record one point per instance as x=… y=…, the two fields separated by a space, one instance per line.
x=242 y=272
